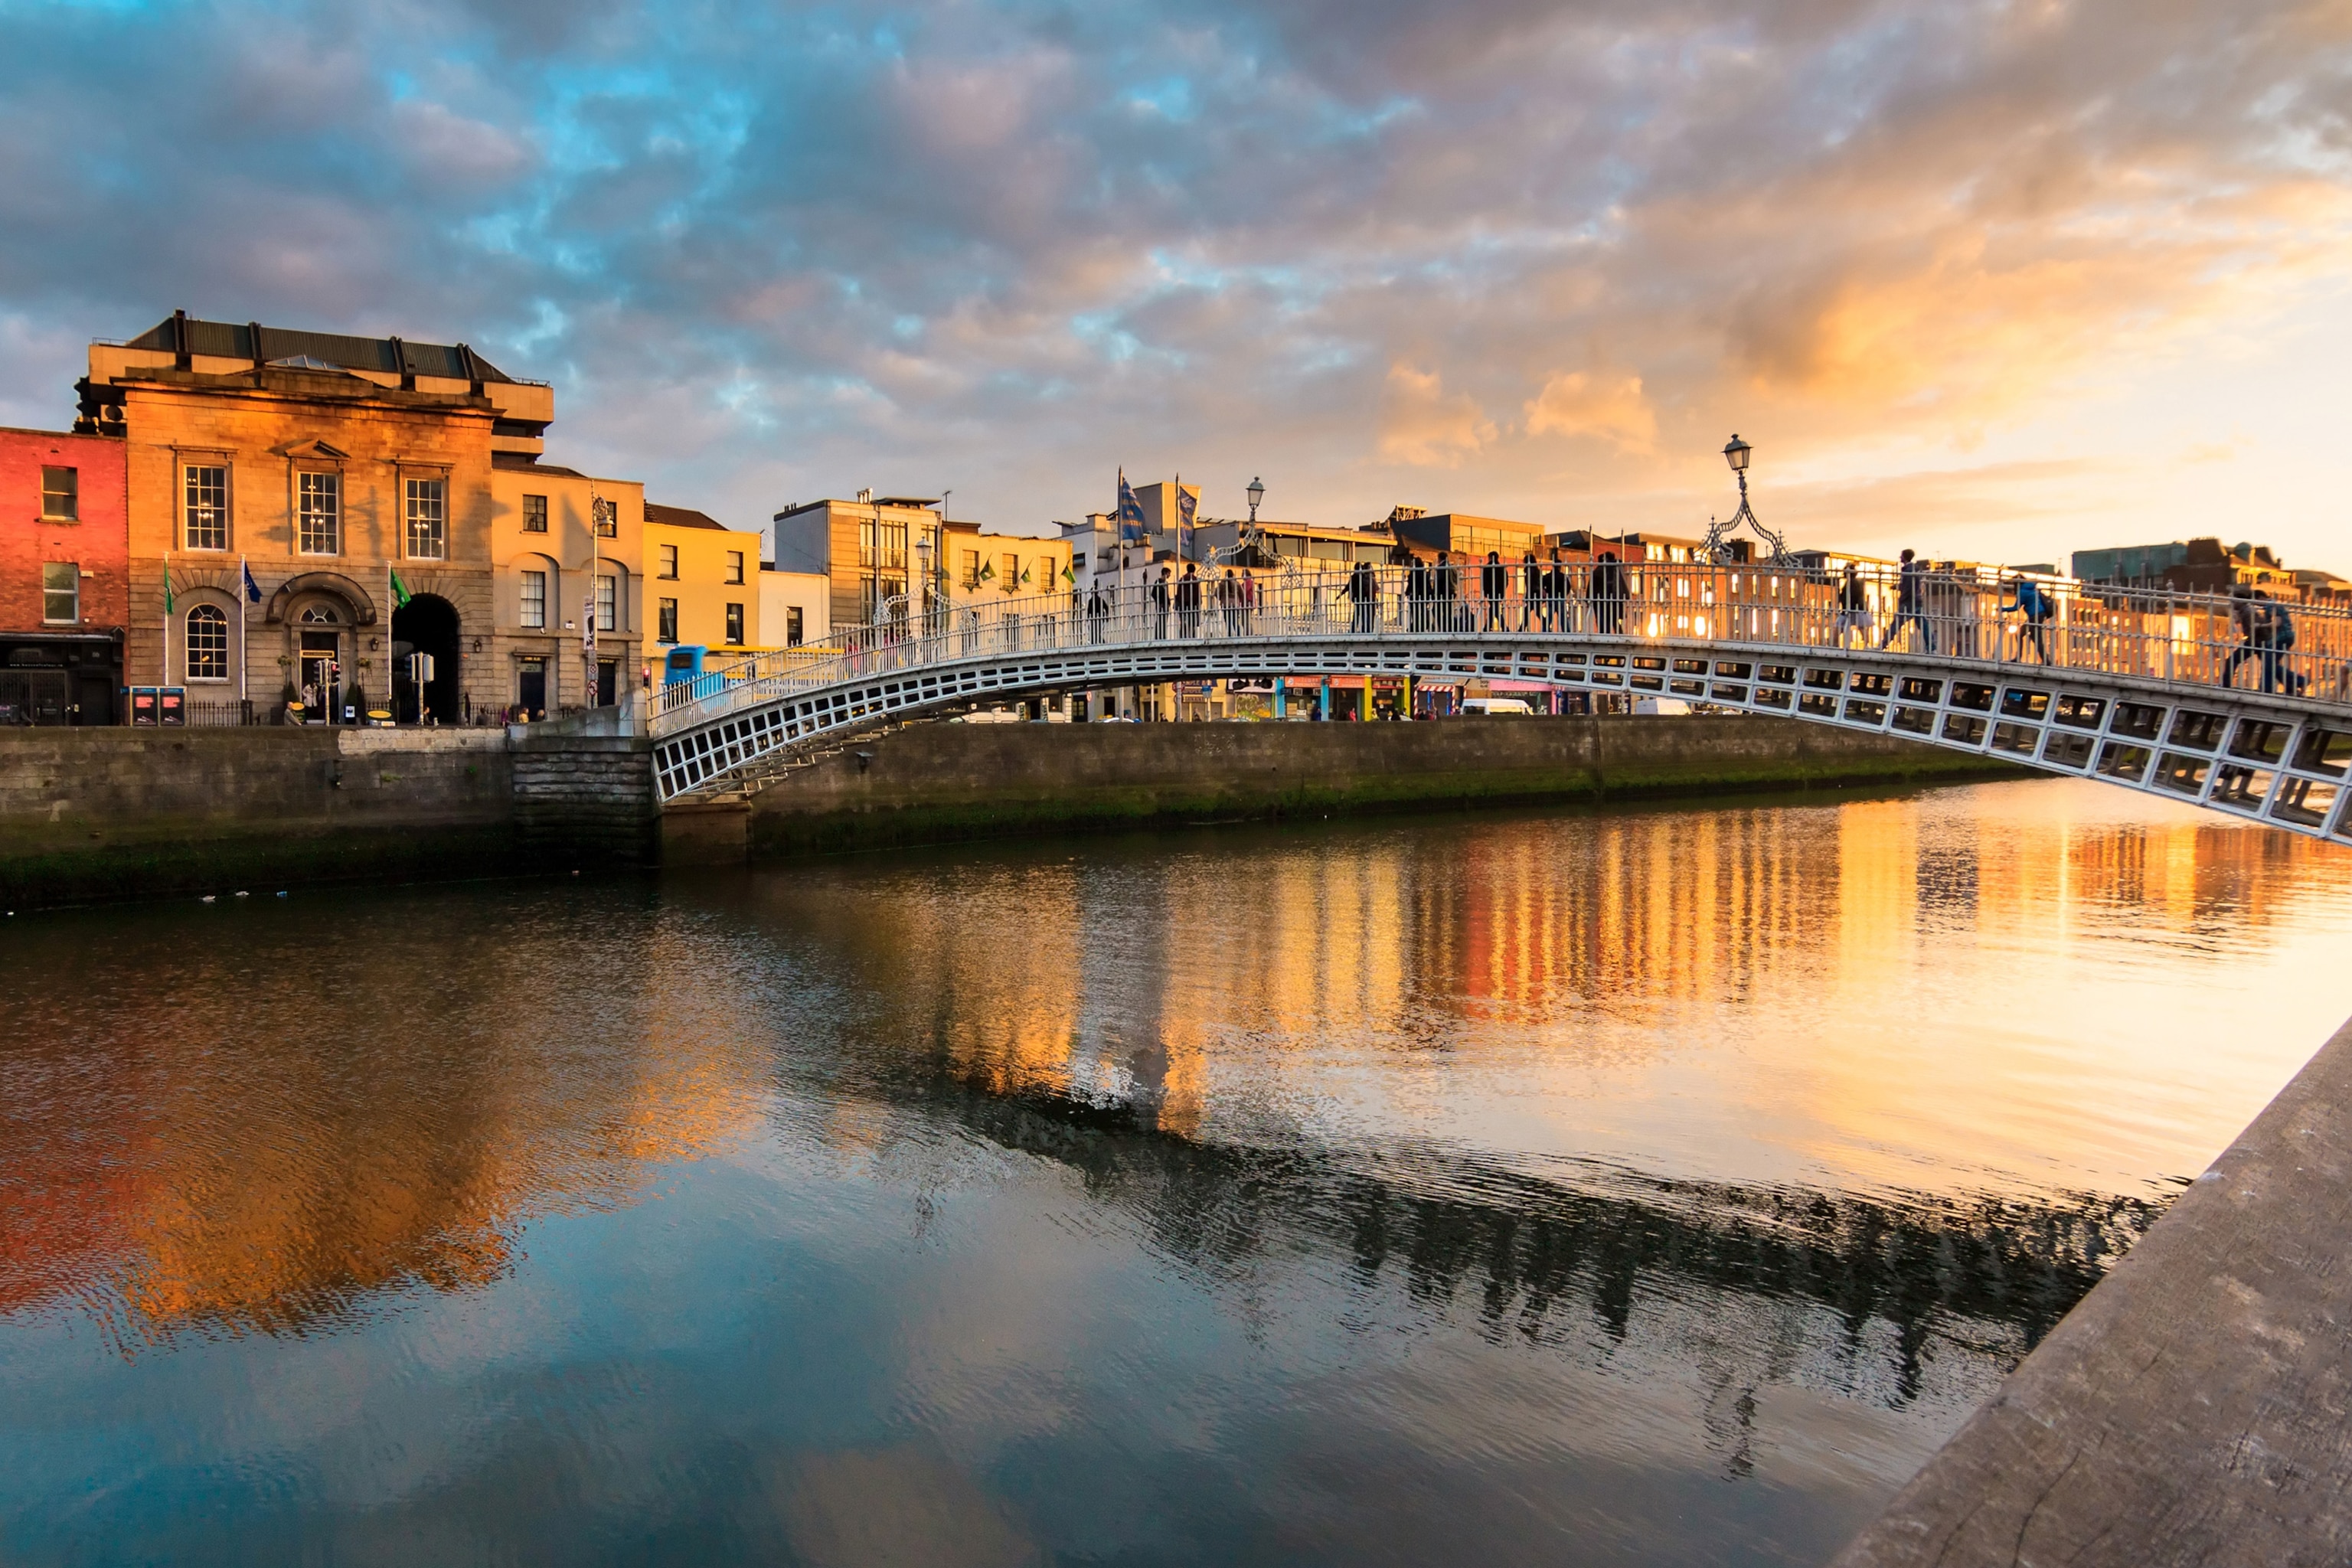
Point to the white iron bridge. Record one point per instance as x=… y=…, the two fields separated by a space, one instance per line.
x=2196 y=697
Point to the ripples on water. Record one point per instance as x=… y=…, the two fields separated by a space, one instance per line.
x=1655 y=1186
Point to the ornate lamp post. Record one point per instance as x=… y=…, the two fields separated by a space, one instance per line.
x=1717 y=548
x=1256 y=494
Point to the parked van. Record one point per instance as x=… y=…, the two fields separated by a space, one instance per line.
x=1498 y=707
x=1668 y=706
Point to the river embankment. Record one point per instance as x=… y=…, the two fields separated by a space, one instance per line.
x=935 y=783
x=106 y=815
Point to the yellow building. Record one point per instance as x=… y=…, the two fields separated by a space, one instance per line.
x=550 y=524
x=877 y=549
x=703 y=580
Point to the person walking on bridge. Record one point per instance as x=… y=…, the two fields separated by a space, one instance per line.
x=1364 y=598
x=1445 y=593
x=1161 y=593
x=1416 y=595
x=1249 y=602
x=1530 y=591
x=1607 y=594
x=1493 y=586
x=1853 y=608
x=2035 y=603
x=1551 y=592
x=1097 y=615
x=1907 y=607
x=1228 y=593
x=1188 y=603
x=2248 y=618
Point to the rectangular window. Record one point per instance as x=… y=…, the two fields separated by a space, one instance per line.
x=60 y=593
x=1008 y=574
x=207 y=516
x=428 y=519
x=608 y=598
x=60 y=495
x=882 y=544
x=972 y=568
x=734 y=623
x=534 y=599
x=735 y=566
x=669 y=563
x=608 y=520
x=534 y=514
x=668 y=624
x=792 y=626
x=322 y=514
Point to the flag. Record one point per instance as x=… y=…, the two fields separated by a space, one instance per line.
x=1185 y=506
x=167 y=587
x=252 y=588
x=1130 y=513
x=400 y=594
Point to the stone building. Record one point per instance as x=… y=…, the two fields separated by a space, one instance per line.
x=562 y=545
x=323 y=505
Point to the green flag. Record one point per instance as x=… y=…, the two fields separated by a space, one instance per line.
x=400 y=594
x=167 y=589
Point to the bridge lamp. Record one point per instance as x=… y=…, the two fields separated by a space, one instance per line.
x=1737 y=454
x=1256 y=494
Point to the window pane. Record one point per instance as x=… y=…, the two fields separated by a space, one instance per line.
x=62 y=494
x=534 y=514
x=428 y=519
x=669 y=561
x=668 y=629
x=322 y=515
x=734 y=623
x=207 y=518
x=208 y=643
x=607 y=598
x=734 y=566
x=534 y=598
x=793 y=627
x=60 y=592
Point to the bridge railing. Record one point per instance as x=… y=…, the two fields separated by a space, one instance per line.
x=1976 y=616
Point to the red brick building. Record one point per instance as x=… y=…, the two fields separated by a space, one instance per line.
x=65 y=591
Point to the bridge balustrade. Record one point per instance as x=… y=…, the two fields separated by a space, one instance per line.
x=2178 y=638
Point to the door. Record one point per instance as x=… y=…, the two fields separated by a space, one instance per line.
x=318 y=669
x=608 y=678
x=531 y=689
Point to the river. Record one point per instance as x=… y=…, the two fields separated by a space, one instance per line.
x=1651 y=1186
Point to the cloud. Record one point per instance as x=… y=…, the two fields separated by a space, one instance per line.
x=1611 y=410
x=1007 y=248
x=1423 y=426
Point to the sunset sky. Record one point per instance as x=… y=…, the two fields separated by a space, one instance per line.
x=2000 y=281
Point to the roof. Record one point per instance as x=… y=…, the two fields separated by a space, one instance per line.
x=525 y=462
x=680 y=517
x=278 y=345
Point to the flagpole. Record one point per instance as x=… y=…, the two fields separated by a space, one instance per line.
x=243 y=670
x=166 y=680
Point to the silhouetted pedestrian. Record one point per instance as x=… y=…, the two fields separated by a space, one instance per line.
x=2248 y=618
x=1364 y=597
x=1161 y=592
x=1188 y=603
x=1908 y=584
x=1607 y=593
x=1494 y=584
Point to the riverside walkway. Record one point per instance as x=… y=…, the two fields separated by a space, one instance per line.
x=2171 y=693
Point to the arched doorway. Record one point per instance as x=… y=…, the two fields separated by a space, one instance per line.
x=427 y=623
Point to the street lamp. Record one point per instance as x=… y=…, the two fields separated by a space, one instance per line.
x=1256 y=494
x=1717 y=548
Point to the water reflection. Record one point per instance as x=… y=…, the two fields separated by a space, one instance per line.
x=1641 y=1180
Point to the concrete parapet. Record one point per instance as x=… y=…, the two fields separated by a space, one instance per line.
x=2194 y=1407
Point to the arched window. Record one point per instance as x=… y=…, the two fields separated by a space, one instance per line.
x=208 y=643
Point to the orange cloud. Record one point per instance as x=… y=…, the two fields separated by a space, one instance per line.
x=1614 y=410
x=1420 y=424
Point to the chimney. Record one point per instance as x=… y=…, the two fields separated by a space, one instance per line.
x=183 y=357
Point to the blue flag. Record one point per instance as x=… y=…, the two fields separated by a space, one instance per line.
x=252 y=588
x=1186 y=503
x=1130 y=513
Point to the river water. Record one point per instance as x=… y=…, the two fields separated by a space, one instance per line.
x=1648 y=1186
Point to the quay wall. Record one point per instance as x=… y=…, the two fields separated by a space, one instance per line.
x=2195 y=1409
x=942 y=783
x=101 y=814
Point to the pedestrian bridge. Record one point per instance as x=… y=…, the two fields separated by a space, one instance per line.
x=2152 y=690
